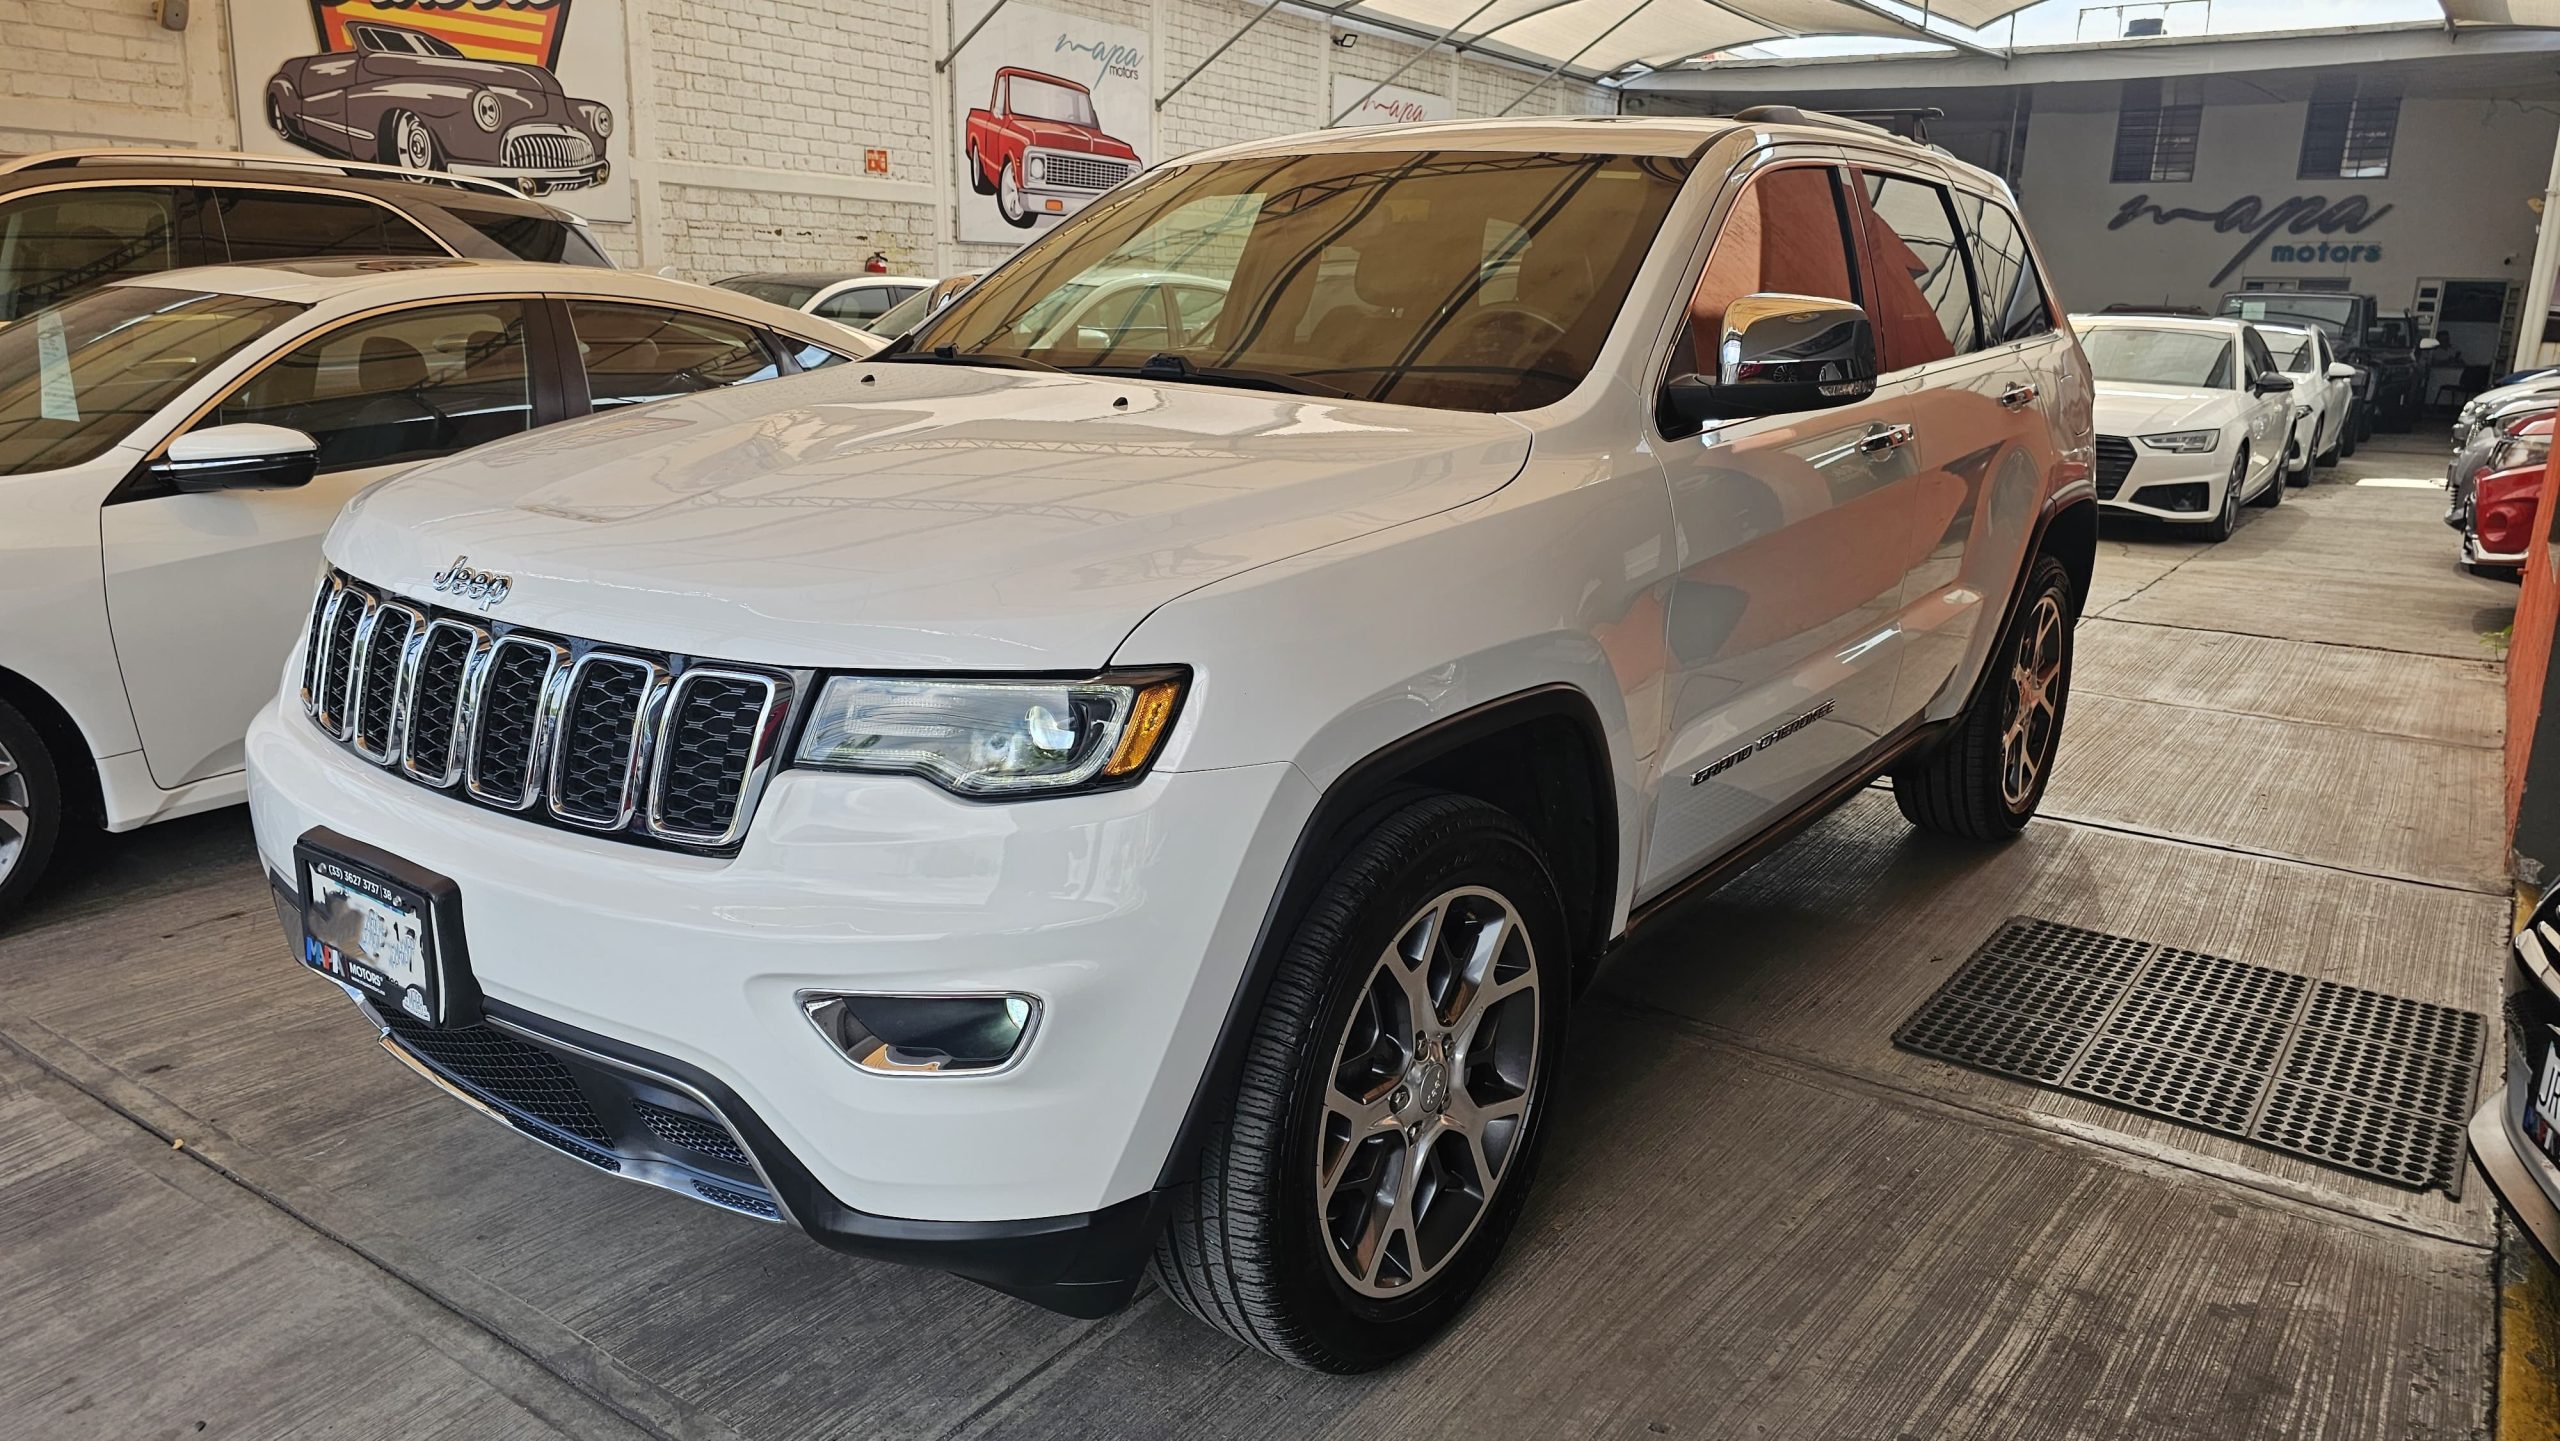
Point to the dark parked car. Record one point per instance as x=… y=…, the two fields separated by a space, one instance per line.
x=403 y=97
x=74 y=219
x=2383 y=346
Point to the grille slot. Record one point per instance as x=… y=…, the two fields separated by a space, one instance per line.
x=506 y=739
x=644 y=747
x=714 y=738
x=345 y=623
x=428 y=751
x=703 y=1138
x=548 y=150
x=595 y=758
x=373 y=706
x=2115 y=462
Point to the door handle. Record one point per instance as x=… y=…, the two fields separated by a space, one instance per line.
x=1880 y=437
x=2018 y=394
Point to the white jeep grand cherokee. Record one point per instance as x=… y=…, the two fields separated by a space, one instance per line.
x=1045 y=799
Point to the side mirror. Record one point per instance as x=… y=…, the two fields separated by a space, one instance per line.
x=2272 y=382
x=1779 y=353
x=241 y=456
x=2339 y=370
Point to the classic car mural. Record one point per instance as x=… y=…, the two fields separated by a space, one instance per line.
x=1039 y=148
x=402 y=96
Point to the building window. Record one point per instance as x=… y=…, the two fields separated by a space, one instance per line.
x=2155 y=142
x=2348 y=130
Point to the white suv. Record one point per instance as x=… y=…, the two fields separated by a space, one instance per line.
x=1031 y=802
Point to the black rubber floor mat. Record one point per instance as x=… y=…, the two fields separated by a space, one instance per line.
x=2357 y=1079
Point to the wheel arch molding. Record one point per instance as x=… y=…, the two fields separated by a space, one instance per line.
x=1540 y=755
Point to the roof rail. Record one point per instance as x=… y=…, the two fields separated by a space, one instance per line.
x=109 y=155
x=1791 y=115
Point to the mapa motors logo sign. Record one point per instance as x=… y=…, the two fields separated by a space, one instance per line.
x=2296 y=215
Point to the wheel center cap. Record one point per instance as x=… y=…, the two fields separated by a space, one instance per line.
x=1429 y=1081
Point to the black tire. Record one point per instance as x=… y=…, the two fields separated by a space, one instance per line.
x=2273 y=495
x=1247 y=1249
x=2227 y=519
x=2361 y=430
x=1962 y=787
x=979 y=184
x=31 y=794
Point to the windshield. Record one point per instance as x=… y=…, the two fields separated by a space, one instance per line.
x=790 y=293
x=2127 y=356
x=2293 y=352
x=1044 y=100
x=2393 y=332
x=900 y=318
x=2332 y=313
x=76 y=379
x=1457 y=280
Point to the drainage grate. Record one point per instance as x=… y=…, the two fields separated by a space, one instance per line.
x=2361 y=1080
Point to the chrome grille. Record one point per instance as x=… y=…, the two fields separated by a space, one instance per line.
x=647 y=747
x=1081 y=172
x=2115 y=462
x=547 y=150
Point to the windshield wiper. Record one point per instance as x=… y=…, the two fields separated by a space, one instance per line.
x=951 y=355
x=1164 y=365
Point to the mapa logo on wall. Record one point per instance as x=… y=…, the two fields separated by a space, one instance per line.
x=523 y=92
x=1054 y=110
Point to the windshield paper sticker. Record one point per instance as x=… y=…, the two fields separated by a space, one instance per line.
x=56 y=397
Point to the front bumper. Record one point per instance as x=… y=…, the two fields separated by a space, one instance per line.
x=2160 y=479
x=1129 y=913
x=2517 y=1169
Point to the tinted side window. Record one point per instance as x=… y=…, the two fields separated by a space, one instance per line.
x=636 y=353
x=402 y=386
x=58 y=243
x=1922 y=302
x=1788 y=232
x=810 y=356
x=863 y=302
x=287 y=225
x=530 y=237
x=2261 y=359
x=2013 y=302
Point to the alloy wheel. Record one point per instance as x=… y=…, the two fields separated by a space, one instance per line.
x=416 y=147
x=1428 y=1096
x=1009 y=195
x=2034 y=709
x=17 y=818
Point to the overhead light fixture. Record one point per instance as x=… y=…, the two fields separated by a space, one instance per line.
x=1346 y=39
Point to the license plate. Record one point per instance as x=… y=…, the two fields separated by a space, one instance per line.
x=388 y=929
x=2542 y=1108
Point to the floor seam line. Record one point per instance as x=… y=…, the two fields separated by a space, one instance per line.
x=2296 y=720
x=2227 y=848
x=2108 y=615
x=10 y=1037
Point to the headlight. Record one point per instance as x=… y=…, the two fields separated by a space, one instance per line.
x=599 y=118
x=1039 y=166
x=993 y=738
x=484 y=110
x=2185 y=442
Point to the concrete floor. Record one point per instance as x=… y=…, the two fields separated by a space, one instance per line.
x=225 y=1212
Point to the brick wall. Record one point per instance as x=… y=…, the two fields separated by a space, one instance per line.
x=752 y=116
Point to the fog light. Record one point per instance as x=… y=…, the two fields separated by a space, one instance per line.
x=2189 y=496
x=909 y=1035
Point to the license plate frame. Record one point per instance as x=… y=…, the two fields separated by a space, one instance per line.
x=354 y=896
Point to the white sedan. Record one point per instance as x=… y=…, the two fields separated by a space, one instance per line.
x=2323 y=394
x=2193 y=417
x=173 y=446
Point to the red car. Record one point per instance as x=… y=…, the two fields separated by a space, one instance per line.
x=2505 y=500
x=1039 y=149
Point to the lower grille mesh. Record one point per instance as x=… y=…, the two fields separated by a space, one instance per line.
x=505 y=1072
x=2115 y=462
x=2368 y=1082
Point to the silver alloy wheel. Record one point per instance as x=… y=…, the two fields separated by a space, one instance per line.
x=412 y=142
x=1429 y=1090
x=2035 y=686
x=17 y=820
x=1009 y=194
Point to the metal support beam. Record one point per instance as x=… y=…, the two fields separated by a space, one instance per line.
x=963 y=43
x=1925 y=33
x=1418 y=57
x=1559 y=67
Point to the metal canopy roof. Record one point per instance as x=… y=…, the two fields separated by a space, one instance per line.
x=1596 y=38
x=2540 y=14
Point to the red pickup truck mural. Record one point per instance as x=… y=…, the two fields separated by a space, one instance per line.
x=1038 y=147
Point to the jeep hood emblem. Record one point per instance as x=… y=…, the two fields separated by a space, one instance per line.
x=484 y=588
